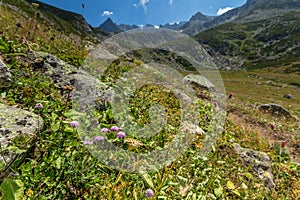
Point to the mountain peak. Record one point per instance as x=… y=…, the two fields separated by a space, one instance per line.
x=108 y=20
x=199 y=17
x=109 y=26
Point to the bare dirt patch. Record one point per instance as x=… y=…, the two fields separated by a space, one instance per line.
x=270 y=132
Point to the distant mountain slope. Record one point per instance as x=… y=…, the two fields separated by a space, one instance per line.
x=272 y=41
x=195 y=24
x=111 y=27
x=174 y=26
x=252 y=10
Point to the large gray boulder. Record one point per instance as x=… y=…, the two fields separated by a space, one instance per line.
x=15 y=122
x=5 y=75
x=259 y=162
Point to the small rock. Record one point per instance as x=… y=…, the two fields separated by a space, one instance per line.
x=182 y=96
x=288 y=96
x=259 y=161
x=199 y=81
x=201 y=86
x=5 y=75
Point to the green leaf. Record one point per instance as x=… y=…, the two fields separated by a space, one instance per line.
x=249 y=176
x=15 y=149
x=55 y=126
x=237 y=192
x=230 y=185
x=12 y=189
x=218 y=191
x=58 y=163
x=148 y=179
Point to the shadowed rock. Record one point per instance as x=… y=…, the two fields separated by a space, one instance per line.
x=5 y=75
x=275 y=109
x=288 y=96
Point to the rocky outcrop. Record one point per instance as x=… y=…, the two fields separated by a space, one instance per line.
x=259 y=162
x=53 y=67
x=199 y=81
x=201 y=85
x=88 y=90
x=5 y=75
x=15 y=122
x=275 y=109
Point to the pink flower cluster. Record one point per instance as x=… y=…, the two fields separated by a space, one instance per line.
x=120 y=134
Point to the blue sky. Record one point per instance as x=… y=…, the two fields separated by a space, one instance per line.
x=140 y=12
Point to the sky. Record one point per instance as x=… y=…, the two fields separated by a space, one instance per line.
x=142 y=12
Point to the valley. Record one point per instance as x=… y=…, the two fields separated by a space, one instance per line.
x=46 y=154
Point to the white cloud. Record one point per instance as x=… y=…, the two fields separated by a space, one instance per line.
x=224 y=10
x=107 y=13
x=143 y=4
x=171 y=2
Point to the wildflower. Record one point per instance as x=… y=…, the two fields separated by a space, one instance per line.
x=104 y=130
x=114 y=129
x=39 y=106
x=74 y=124
x=230 y=96
x=283 y=143
x=88 y=142
x=121 y=134
x=149 y=193
x=19 y=25
x=272 y=125
x=231 y=140
x=98 y=138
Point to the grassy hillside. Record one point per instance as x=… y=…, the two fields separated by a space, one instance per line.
x=271 y=42
x=53 y=17
x=20 y=22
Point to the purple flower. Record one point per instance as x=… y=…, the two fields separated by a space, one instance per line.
x=74 y=124
x=149 y=193
x=39 y=106
x=98 y=138
x=121 y=134
x=88 y=142
x=114 y=129
x=104 y=130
